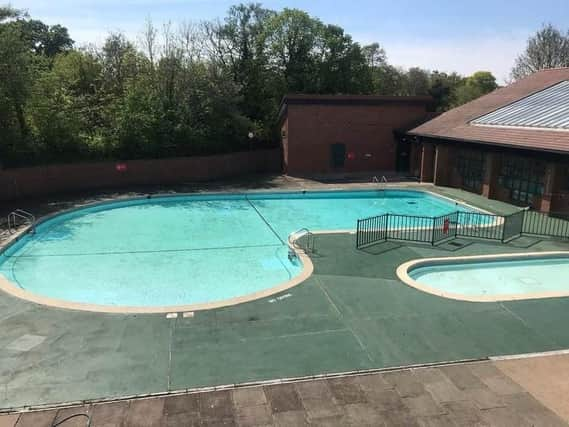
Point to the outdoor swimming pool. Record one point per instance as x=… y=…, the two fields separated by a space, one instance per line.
x=489 y=278
x=185 y=250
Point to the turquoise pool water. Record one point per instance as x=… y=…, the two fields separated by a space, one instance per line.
x=188 y=249
x=496 y=278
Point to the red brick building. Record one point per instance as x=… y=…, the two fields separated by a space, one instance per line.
x=510 y=145
x=323 y=134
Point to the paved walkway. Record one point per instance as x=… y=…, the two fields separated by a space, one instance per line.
x=475 y=394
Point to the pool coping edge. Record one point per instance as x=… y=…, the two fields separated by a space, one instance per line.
x=404 y=269
x=16 y=291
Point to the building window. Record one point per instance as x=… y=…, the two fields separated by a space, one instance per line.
x=470 y=166
x=523 y=177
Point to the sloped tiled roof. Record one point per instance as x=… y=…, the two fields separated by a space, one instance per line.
x=458 y=123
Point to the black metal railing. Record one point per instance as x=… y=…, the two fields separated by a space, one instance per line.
x=540 y=224
x=513 y=226
x=476 y=225
x=409 y=228
x=445 y=227
x=480 y=226
x=371 y=230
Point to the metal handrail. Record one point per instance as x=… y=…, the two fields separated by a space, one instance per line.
x=28 y=218
x=293 y=238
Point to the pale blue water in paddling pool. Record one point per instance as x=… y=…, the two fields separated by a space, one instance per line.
x=188 y=249
x=495 y=278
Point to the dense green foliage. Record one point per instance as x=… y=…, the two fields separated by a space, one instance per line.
x=194 y=89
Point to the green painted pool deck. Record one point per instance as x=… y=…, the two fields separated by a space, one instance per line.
x=352 y=314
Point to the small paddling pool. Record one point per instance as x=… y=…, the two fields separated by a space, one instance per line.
x=491 y=277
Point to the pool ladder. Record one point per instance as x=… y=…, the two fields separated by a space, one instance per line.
x=18 y=215
x=377 y=180
x=293 y=242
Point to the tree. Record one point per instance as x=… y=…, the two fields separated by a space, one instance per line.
x=7 y=12
x=291 y=37
x=548 y=48
x=194 y=89
x=343 y=66
x=119 y=58
x=443 y=89
x=417 y=82
x=388 y=80
x=16 y=70
x=239 y=44
x=43 y=39
x=478 y=84
x=375 y=55
x=148 y=40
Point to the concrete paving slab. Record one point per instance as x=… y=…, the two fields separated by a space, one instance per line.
x=546 y=378
x=283 y=398
x=216 y=406
x=399 y=418
x=246 y=397
x=504 y=417
x=372 y=383
x=145 y=413
x=182 y=419
x=464 y=413
x=318 y=401
x=405 y=383
x=462 y=377
x=438 y=385
x=290 y=418
x=423 y=405
x=333 y=421
x=107 y=414
x=534 y=412
x=258 y=415
x=76 y=416
x=9 y=420
x=436 y=421
x=37 y=419
x=483 y=398
x=346 y=391
x=386 y=401
x=184 y=403
x=361 y=414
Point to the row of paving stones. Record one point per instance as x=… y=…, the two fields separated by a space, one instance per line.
x=455 y=395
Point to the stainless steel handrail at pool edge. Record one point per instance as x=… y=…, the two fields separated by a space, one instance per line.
x=293 y=238
x=13 y=216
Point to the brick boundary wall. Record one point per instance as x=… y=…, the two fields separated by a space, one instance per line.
x=37 y=181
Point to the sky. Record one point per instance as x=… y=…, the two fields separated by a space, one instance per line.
x=445 y=35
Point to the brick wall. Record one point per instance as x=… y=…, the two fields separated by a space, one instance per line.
x=36 y=181
x=366 y=130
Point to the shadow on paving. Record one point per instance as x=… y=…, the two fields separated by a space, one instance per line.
x=351 y=314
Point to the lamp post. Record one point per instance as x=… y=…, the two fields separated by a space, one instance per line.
x=250 y=135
